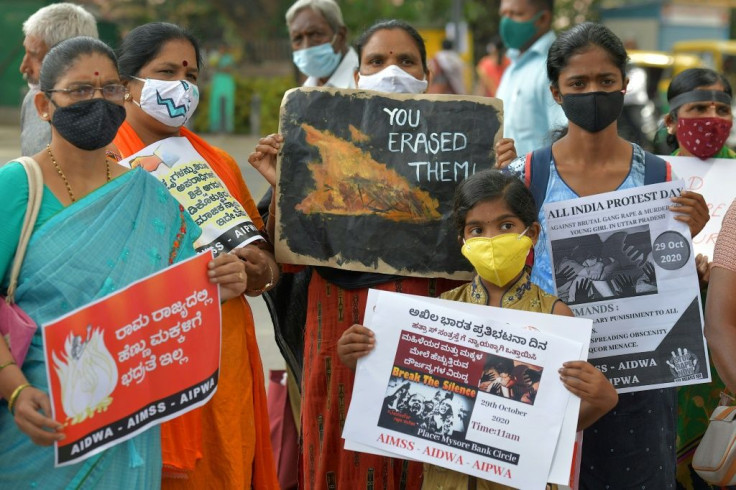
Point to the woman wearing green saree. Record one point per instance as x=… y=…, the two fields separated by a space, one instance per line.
x=100 y=227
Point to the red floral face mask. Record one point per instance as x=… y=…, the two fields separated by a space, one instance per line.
x=703 y=136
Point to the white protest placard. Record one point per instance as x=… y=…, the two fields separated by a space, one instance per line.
x=622 y=260
x=576 y=329
x=447 y=395
x=713 y=178
x=186 y=174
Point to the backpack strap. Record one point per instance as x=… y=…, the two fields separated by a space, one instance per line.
x=656 y=169
x=536 y=173
x=536 y=177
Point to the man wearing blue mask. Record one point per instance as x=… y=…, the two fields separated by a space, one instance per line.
x=319 y=43
x=529 y=111
x=322 y=53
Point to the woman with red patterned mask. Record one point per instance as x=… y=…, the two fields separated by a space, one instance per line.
x=700 y=117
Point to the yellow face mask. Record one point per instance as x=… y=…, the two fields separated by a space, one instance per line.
x=499 y=259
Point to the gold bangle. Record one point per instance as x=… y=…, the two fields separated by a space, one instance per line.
x=265 y=286
x=14 y=396
x=9 y=363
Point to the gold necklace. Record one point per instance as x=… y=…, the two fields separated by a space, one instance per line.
x=63 y=177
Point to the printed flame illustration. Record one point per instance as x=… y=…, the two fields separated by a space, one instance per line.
x=149 y=162
x=154 y=161
x=350 y=182
x=87 y=374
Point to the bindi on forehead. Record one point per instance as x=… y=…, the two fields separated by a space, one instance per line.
x=97 y=73
x=185 y=63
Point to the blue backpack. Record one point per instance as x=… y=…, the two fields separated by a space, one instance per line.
x=536 y=172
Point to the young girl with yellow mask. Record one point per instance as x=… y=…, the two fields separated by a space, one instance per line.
x=496 y=220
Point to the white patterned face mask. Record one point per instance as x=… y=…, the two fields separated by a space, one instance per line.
x=171 y=102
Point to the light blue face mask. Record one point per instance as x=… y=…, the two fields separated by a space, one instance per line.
x=318 y=61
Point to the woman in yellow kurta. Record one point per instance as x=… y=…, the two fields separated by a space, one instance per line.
x=225 y=444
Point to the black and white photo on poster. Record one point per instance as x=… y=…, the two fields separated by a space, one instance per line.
x=412 y=372
x=622 y=260
x=597 y=266
x=424 y=411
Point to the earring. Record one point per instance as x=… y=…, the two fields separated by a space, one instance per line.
x=45 y=115
x=127 y=96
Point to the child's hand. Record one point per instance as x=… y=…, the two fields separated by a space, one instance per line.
x=355 y=342
x=597 y=393
x=263 y=158
x=505 y=152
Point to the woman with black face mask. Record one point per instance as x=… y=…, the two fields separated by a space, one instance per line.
x=96 y=226
x=633 y=445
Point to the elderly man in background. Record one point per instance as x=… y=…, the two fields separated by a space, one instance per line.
x=42 y=30
x=320 y=44
x=320 y=50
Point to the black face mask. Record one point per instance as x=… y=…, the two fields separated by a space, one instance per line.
x=593 y=111
x=89 y=124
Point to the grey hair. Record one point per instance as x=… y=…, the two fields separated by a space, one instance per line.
x=329 y=9
x=60 y=21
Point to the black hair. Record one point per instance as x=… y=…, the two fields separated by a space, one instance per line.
x=533 y=375
x=583 y=247
x=500 y=364
x=62 y=56
x=449 y=413
x=488 y=185
x=390 y=25
x=578 y=39
x=689 y=80
x=144 y=43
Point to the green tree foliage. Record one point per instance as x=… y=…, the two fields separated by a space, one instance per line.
x=245 y=25
x=270 y=91
x=239 y=21
x=571 y=12
x=214 y=22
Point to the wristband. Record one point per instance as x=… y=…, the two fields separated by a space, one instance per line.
x=14 y=396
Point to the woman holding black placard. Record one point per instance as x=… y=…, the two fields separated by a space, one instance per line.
x=392 y=59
